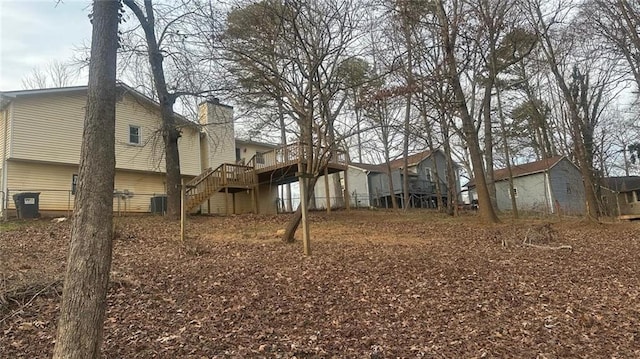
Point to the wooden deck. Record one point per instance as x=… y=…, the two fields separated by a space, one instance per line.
x=278 y=166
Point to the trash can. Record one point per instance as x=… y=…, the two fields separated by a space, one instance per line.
x=27 y=204
x=159 y=204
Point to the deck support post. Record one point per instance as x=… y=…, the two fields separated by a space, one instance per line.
x=183 y=210
x=253 y=199
x=226 y=201
x=326 y=188
x=304 y=208
x=233 y=203
x=347 y=195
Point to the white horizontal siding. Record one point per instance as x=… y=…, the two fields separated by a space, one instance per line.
x=49 y=128
x=53 y=181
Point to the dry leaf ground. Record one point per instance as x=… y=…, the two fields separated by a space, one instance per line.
x=379 y=285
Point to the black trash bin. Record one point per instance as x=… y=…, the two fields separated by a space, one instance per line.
x=27 y=204
x=159 y=204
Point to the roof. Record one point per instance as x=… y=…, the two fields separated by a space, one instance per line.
x=622 y=184
x=59 y=90
x=522 y=170
x=369 y=167
x=255 y=143
x=412 y=160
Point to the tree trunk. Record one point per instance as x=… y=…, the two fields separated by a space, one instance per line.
x=294 y=222
x=407 y=111
x=170 y=133
x=337 y=189
x=488 y=140
x=172 y=163
x=485 y=208
x=507 y=155
x=84 y=295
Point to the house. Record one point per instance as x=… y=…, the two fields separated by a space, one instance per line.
x=621 y=196
x=246 y=149
x=550 y=185
x=369 y=183
x=41 y=136
x=40 y=142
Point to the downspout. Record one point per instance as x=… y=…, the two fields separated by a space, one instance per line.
x=548 y=192
x=5 y=200
x=366 y=174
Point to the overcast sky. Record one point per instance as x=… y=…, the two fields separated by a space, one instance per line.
x=36 y=32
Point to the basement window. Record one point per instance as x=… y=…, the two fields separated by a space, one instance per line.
x=134 y=135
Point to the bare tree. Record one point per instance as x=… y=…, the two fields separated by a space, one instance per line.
x=583 y=82
x=382 y=109
x=84 y=295
x=54 y=74
x=311 y=44
x=450 y=19
x=617 y=22
x=169 y=39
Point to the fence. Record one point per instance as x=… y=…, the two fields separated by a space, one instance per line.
x=357 y=200
x=62 y=202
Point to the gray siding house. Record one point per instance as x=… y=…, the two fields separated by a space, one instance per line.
x=621 y=196
x=551 y=185
x=369 y=183
x=422 y=170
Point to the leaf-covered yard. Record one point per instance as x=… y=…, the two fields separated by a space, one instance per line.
x=379 y=284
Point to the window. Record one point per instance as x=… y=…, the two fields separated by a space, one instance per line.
x=74 y=183
x=515 y=192
x=260 y=158
x=134 y=135
x=427 y=171
x=629 y=196
x=237 y=154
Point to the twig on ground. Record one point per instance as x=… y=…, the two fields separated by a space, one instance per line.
x=31 y=291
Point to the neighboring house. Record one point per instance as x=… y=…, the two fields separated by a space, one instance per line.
x=621 y=196
x=368 y=184
x=41 y=136
x=547 y=186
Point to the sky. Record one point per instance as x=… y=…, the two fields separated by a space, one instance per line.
x=34 y=33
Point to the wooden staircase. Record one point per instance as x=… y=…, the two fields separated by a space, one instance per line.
x=226 y=177
x=278 y=166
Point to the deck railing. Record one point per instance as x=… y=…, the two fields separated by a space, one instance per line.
x=212 y=180
x=290 y=154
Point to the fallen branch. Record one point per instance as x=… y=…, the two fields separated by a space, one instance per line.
x=548 y=234
x=548 y=247
x=25 y=295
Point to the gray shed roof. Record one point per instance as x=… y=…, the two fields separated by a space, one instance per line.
x=622 y=184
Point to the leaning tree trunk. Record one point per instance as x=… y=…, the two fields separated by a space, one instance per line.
x=293 y=224
x=507 y=155
x=485 y=208
x=84 y=295
x=488 y=142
